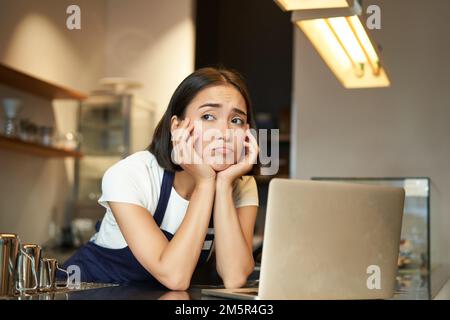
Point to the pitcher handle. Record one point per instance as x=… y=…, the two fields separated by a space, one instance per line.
x=66 y=272
x=33 y=270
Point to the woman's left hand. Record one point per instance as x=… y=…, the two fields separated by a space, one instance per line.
x=243 y=165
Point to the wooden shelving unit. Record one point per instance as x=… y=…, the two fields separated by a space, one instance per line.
x=35 y=149
x=27 y=83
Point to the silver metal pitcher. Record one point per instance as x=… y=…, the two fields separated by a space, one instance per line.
x=47 y=274
x=9 y=253
x=9 y=247
x=27 y=269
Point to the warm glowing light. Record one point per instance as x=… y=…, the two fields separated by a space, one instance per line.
x=345 y=46
x=289 y=5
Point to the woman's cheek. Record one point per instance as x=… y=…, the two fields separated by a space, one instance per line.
x=204 y=150
x=239 y=145
x=199 y=144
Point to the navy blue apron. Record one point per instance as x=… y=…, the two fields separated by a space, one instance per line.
x=99 y=264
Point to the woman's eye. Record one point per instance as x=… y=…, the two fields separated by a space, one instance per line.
x=237 y=121
x=207 y=117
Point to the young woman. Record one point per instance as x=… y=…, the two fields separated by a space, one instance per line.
x=169 y=206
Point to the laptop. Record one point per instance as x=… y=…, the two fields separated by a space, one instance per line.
x=327 y=240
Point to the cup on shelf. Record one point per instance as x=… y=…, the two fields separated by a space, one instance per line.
x=11 y=108
x=68 y=140
x=45 y=135
x=28 y=131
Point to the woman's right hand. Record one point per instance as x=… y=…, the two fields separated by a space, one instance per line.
x=184 y=154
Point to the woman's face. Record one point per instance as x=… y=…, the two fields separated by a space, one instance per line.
x=219 y=114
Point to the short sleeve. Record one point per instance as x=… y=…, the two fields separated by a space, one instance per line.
x=124 y=182
x=245 y=192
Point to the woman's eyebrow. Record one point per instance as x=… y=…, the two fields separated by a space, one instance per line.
x=218 y=105
x=239 y=111
x=210 y=104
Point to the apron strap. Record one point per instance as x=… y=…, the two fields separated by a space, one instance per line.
x=161 y=207
x=164 y=196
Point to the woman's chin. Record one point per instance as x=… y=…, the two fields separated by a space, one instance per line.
x=220 y=167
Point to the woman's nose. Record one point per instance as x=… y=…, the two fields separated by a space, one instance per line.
x=225 y=130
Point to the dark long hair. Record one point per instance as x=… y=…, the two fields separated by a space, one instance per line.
x=161 y=145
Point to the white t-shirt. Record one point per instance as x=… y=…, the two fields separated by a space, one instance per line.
x=137 y=180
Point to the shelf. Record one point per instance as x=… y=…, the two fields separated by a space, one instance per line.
x=36 y=149
x=25 y=82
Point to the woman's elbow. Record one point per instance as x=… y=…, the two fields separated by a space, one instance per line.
x=174 y=279
x=235 y=282
x=176 y=283
x=178 y=286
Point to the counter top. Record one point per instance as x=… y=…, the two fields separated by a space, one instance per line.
x=415 y=290
x=116 y=292
x=146 y=292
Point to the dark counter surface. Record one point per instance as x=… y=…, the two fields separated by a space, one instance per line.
x=120 y=292
x=205 y=277
x=145 y=292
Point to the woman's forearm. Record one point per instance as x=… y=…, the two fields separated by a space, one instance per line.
x=234 y=258
x=181 y=255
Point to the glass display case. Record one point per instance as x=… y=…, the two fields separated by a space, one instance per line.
x=413 y=275
x=111 y=127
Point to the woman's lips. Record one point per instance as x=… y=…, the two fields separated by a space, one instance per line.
x=223 y=150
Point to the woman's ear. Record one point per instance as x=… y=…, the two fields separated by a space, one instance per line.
x=174 y=123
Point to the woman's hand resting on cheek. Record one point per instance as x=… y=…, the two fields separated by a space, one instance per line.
x=184 y=153
x=244 y=164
